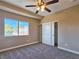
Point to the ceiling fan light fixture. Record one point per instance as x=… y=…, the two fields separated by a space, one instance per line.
x=38 y=8
x=42 y=7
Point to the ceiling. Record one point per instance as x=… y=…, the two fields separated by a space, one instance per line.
x=62 y=4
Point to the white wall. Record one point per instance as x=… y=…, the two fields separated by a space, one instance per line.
x=68 y=27
x=7 y=42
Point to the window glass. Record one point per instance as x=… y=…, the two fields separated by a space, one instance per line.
x=23 y=28
x=10 y=27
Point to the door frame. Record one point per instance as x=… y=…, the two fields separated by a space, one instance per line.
x=55 y=34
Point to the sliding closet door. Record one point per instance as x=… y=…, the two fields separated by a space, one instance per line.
x=47 y=33
x=53 y=33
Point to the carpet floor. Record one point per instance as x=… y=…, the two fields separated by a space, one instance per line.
x=38 y=51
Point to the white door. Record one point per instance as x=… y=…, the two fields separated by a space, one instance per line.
x=47 y=33
x=53 y=33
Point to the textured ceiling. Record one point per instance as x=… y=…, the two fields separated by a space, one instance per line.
x=62 y=4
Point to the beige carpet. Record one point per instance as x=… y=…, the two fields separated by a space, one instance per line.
x=38 y=51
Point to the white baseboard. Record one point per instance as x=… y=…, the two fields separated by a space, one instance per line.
x=69 y=50
x=2 y=50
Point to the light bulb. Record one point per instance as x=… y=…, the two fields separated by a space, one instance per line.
x=38 y=8
x=42 y=7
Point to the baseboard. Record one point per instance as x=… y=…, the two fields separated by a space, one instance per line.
x=69 y=50
x=2 y=50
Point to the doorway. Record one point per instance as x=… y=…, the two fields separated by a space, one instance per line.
x=56 y=34
x=50 y=33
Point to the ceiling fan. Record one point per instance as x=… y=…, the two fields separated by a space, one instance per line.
x=41 y=5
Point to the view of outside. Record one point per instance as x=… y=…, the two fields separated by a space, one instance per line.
x=23 y=28
x=12 y=28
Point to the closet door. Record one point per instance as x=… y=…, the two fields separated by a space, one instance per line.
x=53 y=33
x=47 y=33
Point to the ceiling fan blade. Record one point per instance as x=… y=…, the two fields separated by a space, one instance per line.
x=47 y=9
x=36 y=11
x=52 y=2
x=30 y=6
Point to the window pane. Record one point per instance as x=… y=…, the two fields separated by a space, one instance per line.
x=23 y=28
x=10 y=27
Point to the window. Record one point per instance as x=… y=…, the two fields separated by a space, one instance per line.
x=10 y=27
x=23 y=28
x=14 y=27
